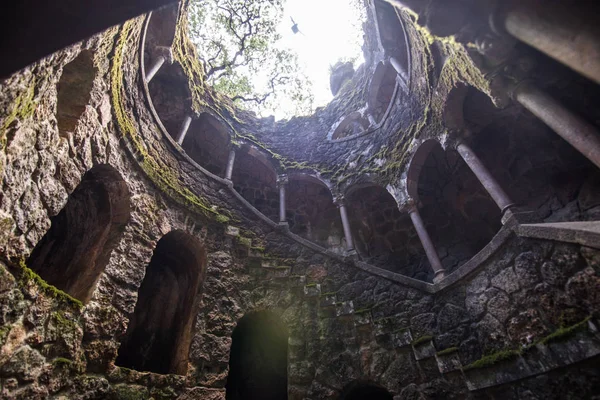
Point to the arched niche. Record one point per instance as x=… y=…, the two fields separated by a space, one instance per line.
x=354 y=124
x=159 y=334
x=460 y=216
x=383 y=236
x=359 y=390
x=207 y=143
x=255 y=179
x=74 y=91
x=381 y=90
x=311 y=213
x=258 y=358
x=74 y=252
x=162 y=25
x=536 y=168
x=392 y=35
x=171 y=97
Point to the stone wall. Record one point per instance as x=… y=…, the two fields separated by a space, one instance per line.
x=344 y=324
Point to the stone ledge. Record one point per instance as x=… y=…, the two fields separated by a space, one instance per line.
x=586 y=233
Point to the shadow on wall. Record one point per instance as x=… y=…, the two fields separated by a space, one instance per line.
x=258 y=359
x=74 y=252
x=460 y=216
x=364 y=391
x=312 y=214
x=207 y=143
x=159 y=334
x=256 y=181
x=74 y=91
x=383 y=236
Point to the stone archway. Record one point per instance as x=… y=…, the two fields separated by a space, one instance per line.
x=258 y=358
x=159 y=334
x=74 y=252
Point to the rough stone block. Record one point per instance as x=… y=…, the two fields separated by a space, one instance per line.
x=297 y=281
x=448 y=362
x=402 y=338
x=312 y=290
x=232 y=231
x=277 y=272
x=424 y=350
x=362 y=319
x=344 y=308
x=328 y=300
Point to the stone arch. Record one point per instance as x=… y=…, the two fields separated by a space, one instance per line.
x=74 y=252
x=159 y=334
x=258 y=358
x=352 y=125
x=382 y=90
x=311 y=212
x=171 y=97
x=453 y=109
x=162 y=25
x=392 y=35
x=383 y=236
x=256 y=180
x=74 y=91
x=416 y=165
x=207 y=142
x=359 y=390
x=459 y=214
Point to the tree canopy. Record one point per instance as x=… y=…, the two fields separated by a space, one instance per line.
x=238 y=43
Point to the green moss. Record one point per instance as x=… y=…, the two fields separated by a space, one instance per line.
x=311 y=285
x=23 y=107
x=4 y=332
x=447 y=351
x=126 y=392
x=328 y=294
x=163 y=176
x=492 y=359
x=421 y=340
x=244 y=241
x=63 y=363
x=28 y=276
x=564 y=333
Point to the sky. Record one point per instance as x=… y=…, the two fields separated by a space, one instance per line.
x=331 y=30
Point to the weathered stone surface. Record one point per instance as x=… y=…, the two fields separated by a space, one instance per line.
x=506 y=280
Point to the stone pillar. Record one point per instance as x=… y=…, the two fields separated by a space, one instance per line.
x=571 y=127
x=432 y=255
x=154 y=69
x=340 y=202
x=282 y=181
x=396 y=64
x=185 y=125
x=565 y=32
x=484 y=176
x=371 y=119
x=230 y=162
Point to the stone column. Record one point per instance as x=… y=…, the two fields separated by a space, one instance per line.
x=340 y=202
x=430 y=251
x=185 y=125
x=484 y=176
x=571 y=127
x=154 y=69
x=564 y=32
x=396 y=64
x=282 y=181
x=230 y=162
x=371 y=119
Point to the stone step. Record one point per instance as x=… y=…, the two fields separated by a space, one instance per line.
x=344 y=308
x=277 y=272
x=312 y=290
x=328 y=300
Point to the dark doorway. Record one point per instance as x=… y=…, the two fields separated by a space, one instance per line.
x=159 y=334
x=74 y=252
x=258 y=359
x=365 y=391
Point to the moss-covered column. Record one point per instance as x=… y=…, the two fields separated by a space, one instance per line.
x=160 y=60
x=484 y=176
x=282 y=181
x=341 y=204
x=185 y=125
x=571 y=127
x=430 y=251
